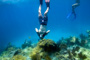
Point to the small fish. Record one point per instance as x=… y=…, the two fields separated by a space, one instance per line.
x=29 y=37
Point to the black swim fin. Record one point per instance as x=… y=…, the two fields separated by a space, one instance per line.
x=41 y=2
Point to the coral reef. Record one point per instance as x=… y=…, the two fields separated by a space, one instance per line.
x=44 y=48
x=17 y=52
x=26 y=44
x=10 y=47
x=71 y=48
x=88 y=31
x=48 y=45
x=83 y=37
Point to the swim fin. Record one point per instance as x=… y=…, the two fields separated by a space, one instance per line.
x=41 y=2
x=69 y=15
x=47 y=3
x=74 y=15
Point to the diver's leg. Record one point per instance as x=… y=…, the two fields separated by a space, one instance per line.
x=39 y=11
x=48 y=7
x=47 y=10
x=39 y=15
x=74 y=6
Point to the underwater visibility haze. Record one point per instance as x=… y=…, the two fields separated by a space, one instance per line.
x=19 y=18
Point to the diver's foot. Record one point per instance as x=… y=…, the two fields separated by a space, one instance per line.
x=41 y=2
x=47 y=3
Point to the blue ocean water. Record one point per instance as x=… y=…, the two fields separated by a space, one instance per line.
x=19 y=18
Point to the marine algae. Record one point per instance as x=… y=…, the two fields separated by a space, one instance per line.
x=18 y=57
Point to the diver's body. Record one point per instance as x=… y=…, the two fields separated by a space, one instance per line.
x=74 y=6
x=43 y=20
x=73 y=9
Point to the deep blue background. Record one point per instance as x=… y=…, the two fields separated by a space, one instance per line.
x=19 y=20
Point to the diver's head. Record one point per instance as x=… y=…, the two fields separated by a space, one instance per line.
x=41 y=36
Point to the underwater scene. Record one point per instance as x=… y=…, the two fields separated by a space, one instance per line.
x=44 y=29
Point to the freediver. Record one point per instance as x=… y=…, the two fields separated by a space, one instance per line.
x=43 y=20
x=73 y=9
